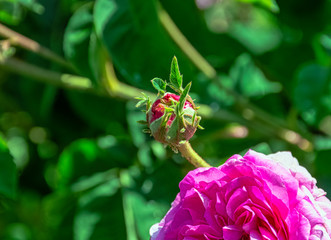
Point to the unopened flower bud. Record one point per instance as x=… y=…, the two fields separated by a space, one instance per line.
x=168 y=123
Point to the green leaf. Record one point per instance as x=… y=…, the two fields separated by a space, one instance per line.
x=8 y=172
x=11 y=12
x=250 y=79
x=98 y=112
x=159 y=84
x=120 y=23
x=322 y=143
x=270 y=4
x=80 y=44
x=323 y=169
x=259 y=33
x=60 y=202
x=174 y=130
x=146 y=213
x=312 y=93
x=183 y=97
x=167 y=172
x=262 y=148
x=32 y=5
x=100 y=213
x=176 y=80
x=84 y=158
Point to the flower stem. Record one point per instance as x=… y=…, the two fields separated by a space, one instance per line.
x=187 y=151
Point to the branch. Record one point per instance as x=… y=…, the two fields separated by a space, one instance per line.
x=120 y=90
x=126 y=92
x=46 y=76
x=19 y=40
x=196 y=58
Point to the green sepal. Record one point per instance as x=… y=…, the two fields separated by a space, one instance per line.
x=173 y=132
x=197 y=121
x=194 y=117
x=176 y=79
x=156 y=124
x=158 y=128
x=145 y=100
x=147 y=131
x=183 y=97
x=167 y=109
x=140 y=103
x=165 y=119
x=143 y=122
x=159 y=85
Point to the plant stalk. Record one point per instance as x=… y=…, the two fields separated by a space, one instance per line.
x=19 y=40
x=126 y=92
x=188 y=152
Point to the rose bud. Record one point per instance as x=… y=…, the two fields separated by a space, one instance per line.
x=172 y=122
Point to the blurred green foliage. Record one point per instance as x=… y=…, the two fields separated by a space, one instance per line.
x=76 y=165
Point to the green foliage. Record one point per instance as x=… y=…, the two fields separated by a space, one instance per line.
x=78 y=40
x=120 y=24
x=76 y=164
x=271 y=4
x=250 y=80
x=8 y=172
x=312 y=94
x=12 y=11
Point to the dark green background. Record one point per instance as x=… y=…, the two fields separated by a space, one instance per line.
x=84 y=169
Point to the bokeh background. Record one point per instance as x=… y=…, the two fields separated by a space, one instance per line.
x=74 y=162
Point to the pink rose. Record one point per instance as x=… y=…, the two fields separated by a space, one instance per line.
x=252 y=197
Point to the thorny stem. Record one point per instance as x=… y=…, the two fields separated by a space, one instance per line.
x=188 y=152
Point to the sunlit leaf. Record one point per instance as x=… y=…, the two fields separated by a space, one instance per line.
x=250 y=79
